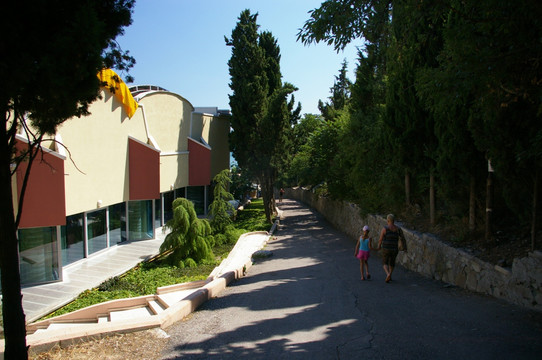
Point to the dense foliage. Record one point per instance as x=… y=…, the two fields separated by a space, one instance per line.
x=442 y=88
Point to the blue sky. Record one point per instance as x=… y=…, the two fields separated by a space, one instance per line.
x=179 y=45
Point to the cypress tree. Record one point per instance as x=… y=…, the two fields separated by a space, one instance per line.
x=260 y=112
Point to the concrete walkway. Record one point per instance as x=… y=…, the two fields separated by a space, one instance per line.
x=40 y=300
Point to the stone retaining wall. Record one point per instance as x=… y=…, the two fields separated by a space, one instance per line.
x=521 y=284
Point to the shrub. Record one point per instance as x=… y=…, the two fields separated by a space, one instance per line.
x=220 y=210
x=189 y=236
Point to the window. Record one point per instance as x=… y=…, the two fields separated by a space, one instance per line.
x=158 y=213
x=96 y=231
x=72 y=239
x=196 y=194
x=38 y=251
x=140 y=220
x=117 y=223
x=168 y=204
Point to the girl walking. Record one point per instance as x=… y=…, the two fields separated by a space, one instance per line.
x=363 y=247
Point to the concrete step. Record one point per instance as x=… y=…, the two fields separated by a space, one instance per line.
x=138 y=312
x=157 y=307
x=67 y=325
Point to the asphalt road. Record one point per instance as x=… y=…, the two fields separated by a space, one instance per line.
x=307 y=301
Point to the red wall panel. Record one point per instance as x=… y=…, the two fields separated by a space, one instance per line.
x=199 y=164
x=144 y=169
x=44 y=202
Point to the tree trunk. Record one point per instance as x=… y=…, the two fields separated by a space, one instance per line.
x=12 y=307
x=472 y=204
x=267 y=194
x=407 y=187
x=535 y=200
x=489 y=207
x=432 y=198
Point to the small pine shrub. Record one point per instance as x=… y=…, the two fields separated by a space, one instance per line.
x=189 y=236
x=190 y=263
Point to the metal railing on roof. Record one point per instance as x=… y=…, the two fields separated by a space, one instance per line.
x=138 y=89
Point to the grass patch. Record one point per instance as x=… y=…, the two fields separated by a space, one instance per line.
x=148 y=276
x=252 y=218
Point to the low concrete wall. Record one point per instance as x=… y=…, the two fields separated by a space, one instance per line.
x=521 y=284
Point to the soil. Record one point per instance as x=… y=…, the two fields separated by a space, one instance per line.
x=142 y=345
x=507 y=242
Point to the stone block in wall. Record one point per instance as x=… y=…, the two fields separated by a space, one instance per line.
x=519 y=270
x=502 y=270
x=460 y=279
x=476 y=267
x=485 y=280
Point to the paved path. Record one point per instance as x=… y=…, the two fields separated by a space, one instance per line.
x=307 y=301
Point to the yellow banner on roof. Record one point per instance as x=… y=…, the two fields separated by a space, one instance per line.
x=119 y=89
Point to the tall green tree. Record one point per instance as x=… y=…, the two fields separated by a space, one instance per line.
x=340 y=95
x=261 y=114
x=241 y=182
x=365 y=141
x=299 y=171
x=51 y=53
x=414 y=45
x=462 y=85
x=494 y=48
x=363 y=155
x=337 y=23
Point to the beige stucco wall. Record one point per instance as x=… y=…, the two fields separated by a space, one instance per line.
x=96 y=167
x=168 y=117
x=218 y=140
x=214 y=131
x=197 y=126
x=173 y=172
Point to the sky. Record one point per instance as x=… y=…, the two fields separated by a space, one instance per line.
x=179 y=45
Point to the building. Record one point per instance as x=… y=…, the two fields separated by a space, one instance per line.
x=112 y=176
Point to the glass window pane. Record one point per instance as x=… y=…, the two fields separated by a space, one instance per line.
x=168 y=204
x=140 y=220
x=180 y=193
x=196 y=195
x=157 y=213
x=96 y=231
x=117 y=223
x=38 y=255
x=72 y=236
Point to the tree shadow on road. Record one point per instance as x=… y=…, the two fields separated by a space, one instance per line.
x=307 y=301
